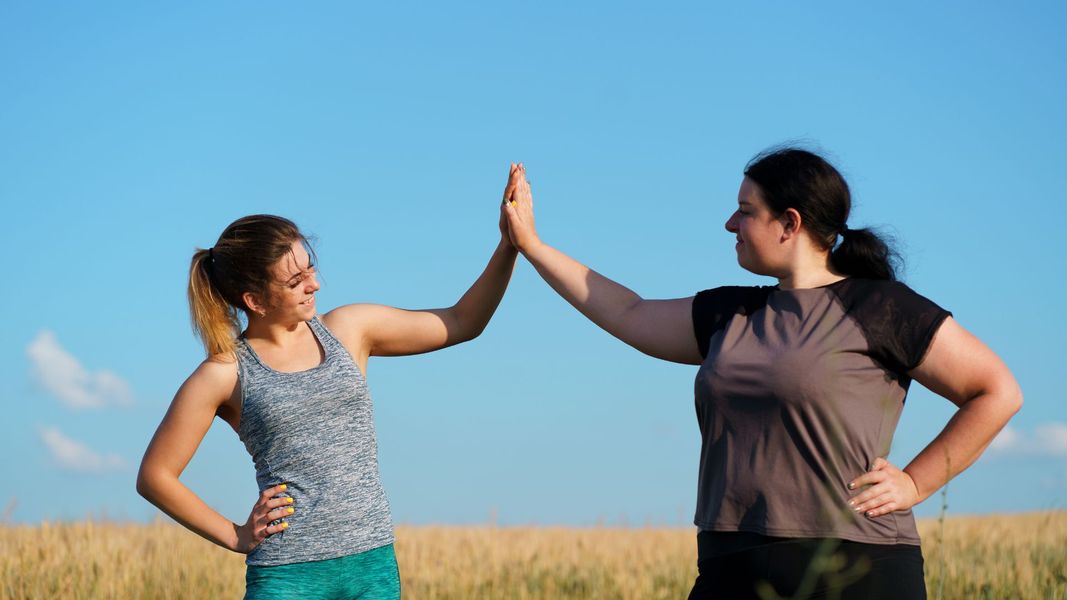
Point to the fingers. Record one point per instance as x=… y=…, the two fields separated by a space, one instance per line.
x=271 y=509
x=888 y=489
x=280 y=512
x=276 y=502
x=868 y=478
x=271 y=492
x=514 y=174
x=272 y=529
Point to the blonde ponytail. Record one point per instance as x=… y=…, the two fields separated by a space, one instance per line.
x=239 y=263
x=214 y=319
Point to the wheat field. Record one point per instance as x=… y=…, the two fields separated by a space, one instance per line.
x=1004 y=556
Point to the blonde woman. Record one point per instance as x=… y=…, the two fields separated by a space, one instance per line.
x=293 y=386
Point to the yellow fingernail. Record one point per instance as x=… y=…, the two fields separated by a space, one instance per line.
x=285 y=526
x=291 y=509
x=289 y=500
x=284 y=487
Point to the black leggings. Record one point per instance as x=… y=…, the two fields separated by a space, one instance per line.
x=849 y=570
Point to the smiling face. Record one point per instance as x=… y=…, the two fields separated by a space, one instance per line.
x=293 y=286
x=759 y=232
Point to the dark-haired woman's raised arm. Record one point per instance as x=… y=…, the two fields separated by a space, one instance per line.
x=659 y=328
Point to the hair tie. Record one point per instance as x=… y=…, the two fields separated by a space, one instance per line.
x=211 y=254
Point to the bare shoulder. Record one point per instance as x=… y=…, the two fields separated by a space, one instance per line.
x=212 y=381
x=350 y=315
x=350 y=322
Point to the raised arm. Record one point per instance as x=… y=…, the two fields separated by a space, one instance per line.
x=386 y=331
x=961 y=368
x=659 y=328
x=173 y=445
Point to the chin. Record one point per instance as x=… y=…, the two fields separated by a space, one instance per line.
x=755 y=267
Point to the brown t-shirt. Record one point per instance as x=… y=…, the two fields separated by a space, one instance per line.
x=799 y=392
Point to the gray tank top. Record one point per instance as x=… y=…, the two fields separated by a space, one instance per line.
x=314 y=431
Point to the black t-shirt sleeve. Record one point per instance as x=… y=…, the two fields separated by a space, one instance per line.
x=898 y=322
x=713 y=309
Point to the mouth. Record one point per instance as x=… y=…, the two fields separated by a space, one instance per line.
x=310 y=301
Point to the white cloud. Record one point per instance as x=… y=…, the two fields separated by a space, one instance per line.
x=76 y=456
x=64 y=376
x=1047 y=439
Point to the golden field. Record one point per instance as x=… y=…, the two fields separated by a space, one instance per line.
x=1010 y=556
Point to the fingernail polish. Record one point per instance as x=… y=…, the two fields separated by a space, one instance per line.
x=851 y=486
x=284 y=487
x=285 y=526
x=290 y=510
x=289 y=500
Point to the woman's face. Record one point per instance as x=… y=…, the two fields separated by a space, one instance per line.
x=758 y=230
x=293 y=286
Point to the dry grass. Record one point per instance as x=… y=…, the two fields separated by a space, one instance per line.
x=1018 y=556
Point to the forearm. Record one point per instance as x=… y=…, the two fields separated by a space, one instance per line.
x=961 y=442
x=473 y=311
x=171 y=496
x=600 y=299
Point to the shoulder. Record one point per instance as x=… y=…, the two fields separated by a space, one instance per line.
x=714 y=308
x=217 y=370
x=350 y=320
x=350 y=323
x=868 y=296
x=899 y=323
x=731 y=299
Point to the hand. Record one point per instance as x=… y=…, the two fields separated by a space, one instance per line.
x=509 y=190
x=891 y=489
x=267 y=509
x=519 y=213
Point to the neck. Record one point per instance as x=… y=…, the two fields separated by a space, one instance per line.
x=273 y=332
x=810 y=270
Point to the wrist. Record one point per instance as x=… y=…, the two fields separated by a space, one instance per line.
x=530 y=246
x=919 y=495
x=233 y=541
x=505 y=246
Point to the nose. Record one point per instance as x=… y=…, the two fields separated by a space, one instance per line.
x=731 y=223
x=313 y=283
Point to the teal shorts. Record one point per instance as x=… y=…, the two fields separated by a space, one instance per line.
x=370 y=575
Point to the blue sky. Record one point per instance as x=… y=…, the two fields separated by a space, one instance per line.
x=131 y=134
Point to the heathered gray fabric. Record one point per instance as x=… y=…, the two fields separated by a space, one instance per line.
x=314 y=431
x=795 y=399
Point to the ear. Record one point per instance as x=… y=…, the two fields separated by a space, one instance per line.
x=791 y=222
x=252 y=302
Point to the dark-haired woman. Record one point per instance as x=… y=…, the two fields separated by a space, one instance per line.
x=800 y=388
x=293 y=387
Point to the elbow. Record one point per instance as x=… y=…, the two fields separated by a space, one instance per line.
x=1009 y=398
x=144 y=489
x=471 y=332
x=147 y=483
x=1015 y=399
x=462 y=328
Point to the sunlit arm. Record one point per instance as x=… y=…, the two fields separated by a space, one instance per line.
x=387 y=331
x=173 y=445
x=961 y=368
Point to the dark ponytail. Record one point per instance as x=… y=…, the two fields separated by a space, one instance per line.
x=804 y=181
x=862 y=253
